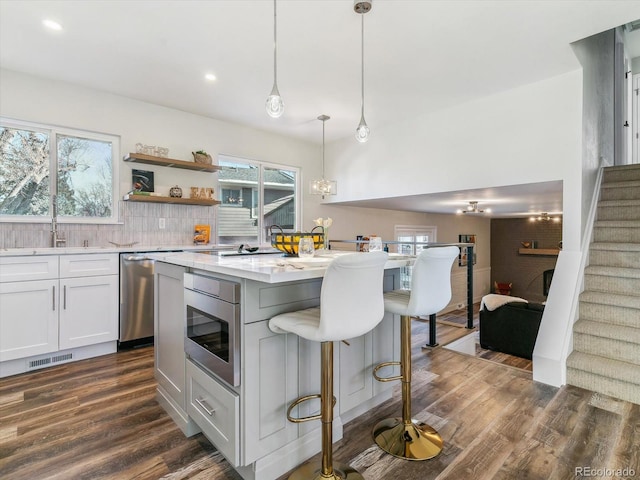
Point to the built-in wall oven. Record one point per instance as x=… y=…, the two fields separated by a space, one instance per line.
x=212 y=336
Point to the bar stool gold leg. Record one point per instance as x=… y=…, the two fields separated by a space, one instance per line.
x=402 y=437
x=328 y=470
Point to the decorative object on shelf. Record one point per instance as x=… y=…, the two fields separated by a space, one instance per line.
x=361 y=7
x=289 y=242
x=175 y=192
x=275 y=104
x=526 y=244
x=462 y=258
x=322 y=186
x=202 y=157
x=325 y=223
x=544 y=217
x=473 y=208
x=162 y=152
x=202 y=193
x=202 y=234
x=142 y=181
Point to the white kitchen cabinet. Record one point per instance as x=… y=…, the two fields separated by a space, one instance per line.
x=170 y=359
x=51 y=303
x=88 y=310
x=88 y=300
x=270 y=377
x=28 y=318
x=358 y=359
x=216 y=410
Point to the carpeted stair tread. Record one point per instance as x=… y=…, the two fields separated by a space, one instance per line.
x=609 y=330
x=617 y=247
x=617 y=224
x=627 y=301
x=629 y=392
x=621 y=184
x=619 y=203
x=606 y=367
x=621 y=272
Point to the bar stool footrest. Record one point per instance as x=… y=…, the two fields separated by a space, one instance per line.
x=386 y=364
x=410 y=441
x=300 y=400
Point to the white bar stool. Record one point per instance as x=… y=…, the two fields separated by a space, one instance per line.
x=351 y=304
x=430 y=292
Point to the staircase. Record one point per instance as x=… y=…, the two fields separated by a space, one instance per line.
x=606 y=337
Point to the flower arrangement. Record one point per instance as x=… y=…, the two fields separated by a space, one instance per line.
x=325 y=223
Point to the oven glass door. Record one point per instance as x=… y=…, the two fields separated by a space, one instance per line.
x=212 y=335
x=210 y=332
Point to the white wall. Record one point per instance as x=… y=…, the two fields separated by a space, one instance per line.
x=526 y=135
x=30 y=98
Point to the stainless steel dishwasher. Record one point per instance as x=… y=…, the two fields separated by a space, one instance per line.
x=136 y=300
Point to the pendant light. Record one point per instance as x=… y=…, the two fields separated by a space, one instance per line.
x=361 y=7
x=275 y=105
x=323 y=187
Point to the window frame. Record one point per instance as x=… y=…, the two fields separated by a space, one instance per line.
x=262 y=239
x=53 y=132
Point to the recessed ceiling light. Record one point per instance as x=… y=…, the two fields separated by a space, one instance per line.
x=210 y=77
x=52 y=25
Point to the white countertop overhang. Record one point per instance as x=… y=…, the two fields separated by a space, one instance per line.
x=267 y=268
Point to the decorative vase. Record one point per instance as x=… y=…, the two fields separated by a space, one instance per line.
x=175 y=192
x=326 y=238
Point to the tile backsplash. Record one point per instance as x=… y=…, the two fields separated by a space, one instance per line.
x=139 y=224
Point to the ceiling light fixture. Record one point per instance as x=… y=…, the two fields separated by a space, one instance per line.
x=52 y=25
x=544 y=217
x=275 y=104
x=210 y=77
x=473 y=208
x=361 y=7
x=323 y=187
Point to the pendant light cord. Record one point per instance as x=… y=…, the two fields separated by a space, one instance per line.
x=362 y=61
x=275 y=44
x=323 y=149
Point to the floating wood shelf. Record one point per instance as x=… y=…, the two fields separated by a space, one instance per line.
x=181 y=201
x=170 y=162
x=539 y=251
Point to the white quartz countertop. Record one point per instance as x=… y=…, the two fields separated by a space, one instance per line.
x=28 y=251
x=267 y=268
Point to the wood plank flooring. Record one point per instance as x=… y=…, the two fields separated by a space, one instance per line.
x=98 y=419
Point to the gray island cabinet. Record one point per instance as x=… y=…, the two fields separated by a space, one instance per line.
x=248 y=423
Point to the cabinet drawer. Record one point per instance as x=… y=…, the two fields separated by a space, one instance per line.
x=215 y=410
x=88 y=265
x=20 y=269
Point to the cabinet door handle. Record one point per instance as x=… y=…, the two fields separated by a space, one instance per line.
x=64 y=297
x=53 y=298
x=203 y=403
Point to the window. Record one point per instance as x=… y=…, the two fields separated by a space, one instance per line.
x=414 y=235
x=255 y=196
x=41 y=164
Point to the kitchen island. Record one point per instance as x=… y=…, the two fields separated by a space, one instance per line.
x=247 y=421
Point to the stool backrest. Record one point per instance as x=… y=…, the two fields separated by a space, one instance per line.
x=351 y=301
x=431 y=280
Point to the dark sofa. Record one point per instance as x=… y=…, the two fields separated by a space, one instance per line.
x=511 y=328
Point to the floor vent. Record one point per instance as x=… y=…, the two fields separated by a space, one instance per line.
x=43 y=362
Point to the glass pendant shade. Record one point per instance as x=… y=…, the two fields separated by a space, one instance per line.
x=362 y=132
x=322 y=186
x=275 y=104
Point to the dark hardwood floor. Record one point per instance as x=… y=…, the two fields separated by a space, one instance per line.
x=98 y=419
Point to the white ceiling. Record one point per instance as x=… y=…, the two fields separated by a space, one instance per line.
x=420 y=56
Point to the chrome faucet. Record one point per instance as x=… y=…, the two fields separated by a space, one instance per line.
x=57 y=238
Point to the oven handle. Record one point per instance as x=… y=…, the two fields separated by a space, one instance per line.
x=210 y=411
